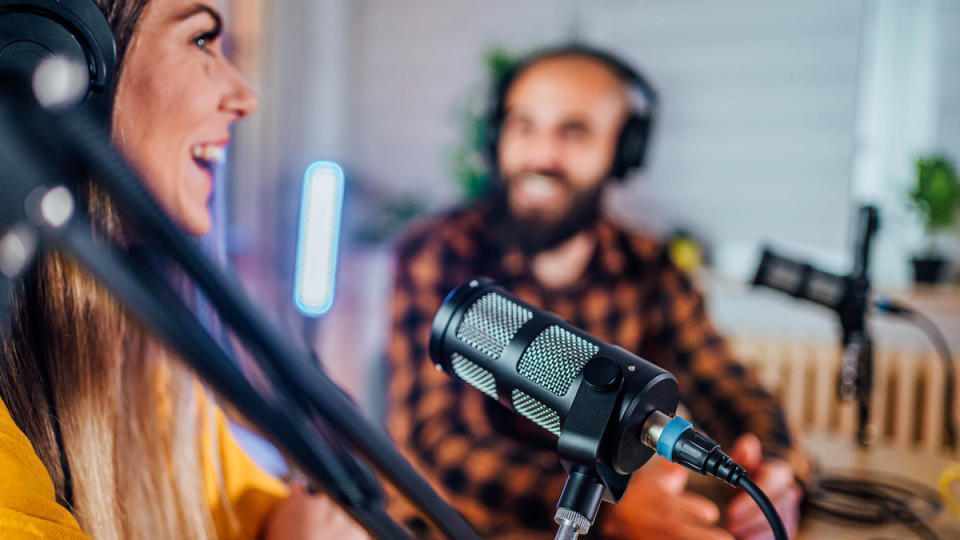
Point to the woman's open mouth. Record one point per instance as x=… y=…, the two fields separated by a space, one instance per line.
x=208 y=156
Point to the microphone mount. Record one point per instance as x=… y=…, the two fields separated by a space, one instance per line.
x=589 y=481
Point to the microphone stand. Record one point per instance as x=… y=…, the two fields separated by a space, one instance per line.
x=53 y=221
x=300 y=383
x=856 y=371
x=14 y=256
x=580 y=447
x=5 y=290
x=849 y=297
x=289 y=367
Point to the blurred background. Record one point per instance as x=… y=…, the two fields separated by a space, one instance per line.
x=778 y=120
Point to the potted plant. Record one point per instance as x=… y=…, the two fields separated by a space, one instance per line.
x=936 y=197
x=468 y=160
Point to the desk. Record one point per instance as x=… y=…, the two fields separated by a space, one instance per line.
x=835 y=453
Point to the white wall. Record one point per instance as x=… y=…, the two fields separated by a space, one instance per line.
x=948 y=132
x=757 y=133
x=756 y=137
x=772 y=113
x=778 y=117
x=414 y=63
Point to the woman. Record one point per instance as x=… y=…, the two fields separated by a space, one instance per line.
x=101 y=430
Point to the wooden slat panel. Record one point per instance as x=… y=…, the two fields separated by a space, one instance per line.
x=906 y=387
x=931 y=413
x=824 y=393
x=906 y=404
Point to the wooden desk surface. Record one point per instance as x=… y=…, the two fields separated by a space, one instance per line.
x=842 y=455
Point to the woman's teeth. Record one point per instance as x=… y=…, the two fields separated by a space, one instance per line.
x=207 y=153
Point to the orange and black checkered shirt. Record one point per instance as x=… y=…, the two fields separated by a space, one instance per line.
x=499 y=469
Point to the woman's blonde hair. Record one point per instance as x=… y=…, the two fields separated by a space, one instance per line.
x=109 y=411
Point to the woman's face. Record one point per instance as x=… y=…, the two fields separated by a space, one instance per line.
x=176 y=98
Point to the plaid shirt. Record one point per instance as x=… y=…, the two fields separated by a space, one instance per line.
x=499 y=469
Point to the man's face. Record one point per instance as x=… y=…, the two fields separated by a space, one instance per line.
x=558 y=139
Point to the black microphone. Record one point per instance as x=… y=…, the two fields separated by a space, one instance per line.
x=801 y=280
x=610 y=409
x=848 y=296
x=536 y=364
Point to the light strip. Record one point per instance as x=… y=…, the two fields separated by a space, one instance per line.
x=318 y=238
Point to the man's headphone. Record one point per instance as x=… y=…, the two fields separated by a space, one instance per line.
x=34 y=30
x=635 y=134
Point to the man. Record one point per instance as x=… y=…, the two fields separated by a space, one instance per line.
x=562 y=124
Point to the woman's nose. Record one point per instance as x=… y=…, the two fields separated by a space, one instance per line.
x=240 y=99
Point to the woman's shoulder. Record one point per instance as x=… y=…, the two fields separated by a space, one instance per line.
x=28 y=504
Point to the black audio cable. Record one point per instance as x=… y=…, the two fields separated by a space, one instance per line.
x=675 y=439
x=873 y=498
x=927 y=326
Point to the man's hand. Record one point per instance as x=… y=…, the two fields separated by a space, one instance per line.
x=656 y=507
x=775 y=477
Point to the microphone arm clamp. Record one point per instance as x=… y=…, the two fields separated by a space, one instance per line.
x=580 y=447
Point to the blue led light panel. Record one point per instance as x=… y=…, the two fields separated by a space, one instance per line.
x=318 y=238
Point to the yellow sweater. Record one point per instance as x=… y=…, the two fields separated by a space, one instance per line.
x=28 y=508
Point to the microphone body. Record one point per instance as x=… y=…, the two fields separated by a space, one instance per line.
x=847 y=295
x=552 y=373
x=802 y=280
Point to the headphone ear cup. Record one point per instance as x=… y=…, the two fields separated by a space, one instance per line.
x=76 y=30
x=631 y=147
x=21 y=52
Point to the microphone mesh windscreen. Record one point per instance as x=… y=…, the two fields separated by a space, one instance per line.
x=825 y=289
x=490 y=324
x=784 y=275
x=536 y=412
x=474 y=375
x=555 y=358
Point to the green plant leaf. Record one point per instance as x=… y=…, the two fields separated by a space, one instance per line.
x=936 y=192
x=467 y=161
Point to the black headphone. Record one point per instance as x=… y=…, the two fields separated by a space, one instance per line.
x=635 y=134
x=34 y=30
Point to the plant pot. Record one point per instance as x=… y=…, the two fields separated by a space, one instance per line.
x=927 y=270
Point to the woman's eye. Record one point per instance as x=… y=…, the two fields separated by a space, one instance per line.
x=204 y=41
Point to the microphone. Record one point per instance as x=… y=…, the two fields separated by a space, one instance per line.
x=849 y=297
x=610 y=409
x=537 y=363
x=801 y=280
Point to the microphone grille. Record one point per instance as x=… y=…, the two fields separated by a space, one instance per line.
x=784 y=275
x=490 y=324
x=474 y=375
x=536 y=412
x=555 y=358
x=826 y=289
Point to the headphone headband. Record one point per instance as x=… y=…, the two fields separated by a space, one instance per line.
x=634 y=135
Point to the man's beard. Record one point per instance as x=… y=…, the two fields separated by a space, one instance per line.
x=535 y=234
